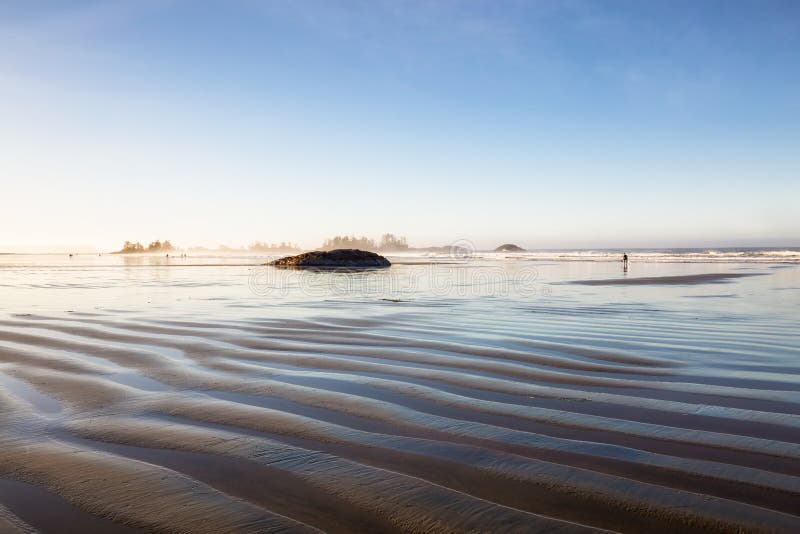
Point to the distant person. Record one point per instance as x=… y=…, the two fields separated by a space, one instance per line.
x=624 y=261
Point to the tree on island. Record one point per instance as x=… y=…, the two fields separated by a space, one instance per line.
x=158 y=246
x=362 y=243
x=391 y=242
x=283 y=246
x=137 y=248
x=388 y=242
x=130 y=248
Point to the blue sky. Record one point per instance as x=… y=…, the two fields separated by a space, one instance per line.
x=551 y=124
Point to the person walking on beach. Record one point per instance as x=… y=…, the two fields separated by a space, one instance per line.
x=624 y=261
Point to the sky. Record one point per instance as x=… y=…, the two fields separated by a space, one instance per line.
x=551 y=124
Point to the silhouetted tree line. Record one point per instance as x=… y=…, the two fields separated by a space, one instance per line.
x=387 y=242
x=283 y=246
x=156 y=246
x=343 y=241
x=392 y=242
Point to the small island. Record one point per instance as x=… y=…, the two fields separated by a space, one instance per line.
x=509 y=247
x=339 y=258
x=388 y=242
x=137 y=248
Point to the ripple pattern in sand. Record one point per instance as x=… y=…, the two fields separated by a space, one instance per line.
x=398 y=422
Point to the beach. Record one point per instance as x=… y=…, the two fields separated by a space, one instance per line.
x=547 y=392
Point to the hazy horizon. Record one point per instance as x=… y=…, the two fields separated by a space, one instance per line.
x=238 y=247
x=562 y=124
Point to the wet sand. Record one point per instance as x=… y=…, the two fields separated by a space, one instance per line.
x=353 y=416
x=666 y=280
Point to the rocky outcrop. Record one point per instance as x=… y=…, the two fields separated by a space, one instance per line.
x=509 y=247
x=343 y=257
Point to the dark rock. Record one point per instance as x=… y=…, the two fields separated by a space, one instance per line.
x=343 y=257
x=509 y=247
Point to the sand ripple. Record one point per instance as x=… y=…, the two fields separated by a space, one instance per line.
x=399 y=422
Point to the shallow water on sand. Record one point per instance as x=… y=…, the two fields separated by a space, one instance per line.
x=490 y=394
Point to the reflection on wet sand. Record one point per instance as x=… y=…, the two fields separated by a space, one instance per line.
x=346 y=415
